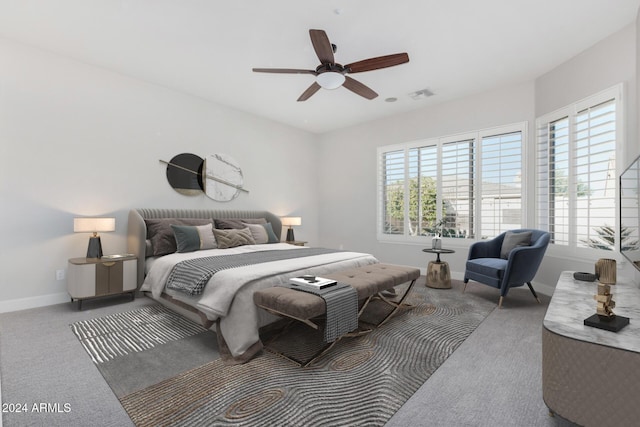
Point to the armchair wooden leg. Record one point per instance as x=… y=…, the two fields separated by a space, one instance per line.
x=500 y=302
x=465 y=286
x=533 y=292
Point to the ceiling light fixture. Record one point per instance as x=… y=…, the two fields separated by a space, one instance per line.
x=330 y=79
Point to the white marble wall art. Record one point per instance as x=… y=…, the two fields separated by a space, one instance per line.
x=224 y=178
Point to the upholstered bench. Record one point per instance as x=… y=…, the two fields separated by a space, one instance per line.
x=369 y=281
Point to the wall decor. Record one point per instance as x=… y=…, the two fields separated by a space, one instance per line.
x=219 y=176
x=223 y=178
x=184 y=173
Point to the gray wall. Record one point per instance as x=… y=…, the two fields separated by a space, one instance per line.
x=348 y=193
x=80 y=140
x=609 y=62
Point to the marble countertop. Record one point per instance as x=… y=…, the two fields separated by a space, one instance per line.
x=572 y=302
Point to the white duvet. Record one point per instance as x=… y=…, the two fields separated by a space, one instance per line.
x=228 y=295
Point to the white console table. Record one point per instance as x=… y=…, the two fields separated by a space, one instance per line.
x=591 y=376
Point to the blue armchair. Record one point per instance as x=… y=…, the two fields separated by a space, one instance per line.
x=509 y=260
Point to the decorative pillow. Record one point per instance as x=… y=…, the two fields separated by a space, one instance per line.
x=191 y=238
x=233 y=237
x=262 y=233
x=513 y=240
x=239 y=223
x=148 y=248
x=160 y=233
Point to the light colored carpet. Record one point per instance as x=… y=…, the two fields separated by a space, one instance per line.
x=495 y=376
x=362 y=381
x=42 y=361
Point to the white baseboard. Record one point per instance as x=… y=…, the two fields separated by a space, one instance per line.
x=33 y=302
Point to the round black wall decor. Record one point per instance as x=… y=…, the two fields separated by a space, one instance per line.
x=184 y=173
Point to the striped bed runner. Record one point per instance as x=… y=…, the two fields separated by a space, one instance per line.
x=191 y=276
x=342 y=309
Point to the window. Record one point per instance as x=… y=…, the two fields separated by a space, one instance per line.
x=576 y=179
x=458 y=186
x=501 y=195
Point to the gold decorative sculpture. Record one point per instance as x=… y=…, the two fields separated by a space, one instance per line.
x=605 y=318
x=606 y=273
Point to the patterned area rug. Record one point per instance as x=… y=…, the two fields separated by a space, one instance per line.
x=362 y=381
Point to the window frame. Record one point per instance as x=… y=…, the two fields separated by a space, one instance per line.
x=570 y=112
x=476 y=136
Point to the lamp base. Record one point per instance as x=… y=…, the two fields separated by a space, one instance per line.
x=290 y=237
x=95 y=248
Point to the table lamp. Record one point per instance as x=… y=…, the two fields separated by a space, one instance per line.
x=290 y=221
x=93 y=225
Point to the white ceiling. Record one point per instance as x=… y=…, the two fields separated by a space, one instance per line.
x=207 y=48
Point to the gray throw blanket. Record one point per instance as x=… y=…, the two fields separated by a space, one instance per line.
x=342 y=309
x=191 y=276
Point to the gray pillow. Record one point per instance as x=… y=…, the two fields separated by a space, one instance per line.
x=262 y=233
x=160 y=233
x=239 y=223
x=233 y=237
x=191 y=238
x=513 y=240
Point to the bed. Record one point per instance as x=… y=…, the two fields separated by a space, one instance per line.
x=226 y=300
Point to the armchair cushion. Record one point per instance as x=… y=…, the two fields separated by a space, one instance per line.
x=513 y=240
x=489 y=267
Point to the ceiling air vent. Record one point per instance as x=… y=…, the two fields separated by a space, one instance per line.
x=421 y=94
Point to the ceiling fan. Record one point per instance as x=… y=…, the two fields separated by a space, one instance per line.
x=331 y=75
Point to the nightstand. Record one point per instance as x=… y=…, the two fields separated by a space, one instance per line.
x=296 y=242
x=99 y=277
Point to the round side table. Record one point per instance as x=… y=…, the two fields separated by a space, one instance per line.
x=438 y=274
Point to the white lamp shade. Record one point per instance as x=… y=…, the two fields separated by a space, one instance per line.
x=93 y=225
x=291 y=220
x=330 y=80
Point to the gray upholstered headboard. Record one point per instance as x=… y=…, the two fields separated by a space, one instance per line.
x=137 y=229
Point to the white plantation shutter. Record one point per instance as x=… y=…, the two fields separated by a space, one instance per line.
x=595 y=174
x=553 y=180
x=428 y=181
x=501 y=178
x=423 y=182
x=576 y=175
x=392 y=185
x=413 y=204
x=457 y=186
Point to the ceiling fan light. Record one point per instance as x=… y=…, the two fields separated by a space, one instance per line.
x=330 y=80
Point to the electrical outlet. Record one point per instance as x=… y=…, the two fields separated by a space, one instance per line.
x=60 y=274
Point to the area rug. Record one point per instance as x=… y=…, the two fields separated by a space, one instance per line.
x=363 y=381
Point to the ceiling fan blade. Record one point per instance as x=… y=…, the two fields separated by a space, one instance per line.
x=378 y=62
x=310 y=91
x=359 y=88
x=284 y=71
x=322 y=46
